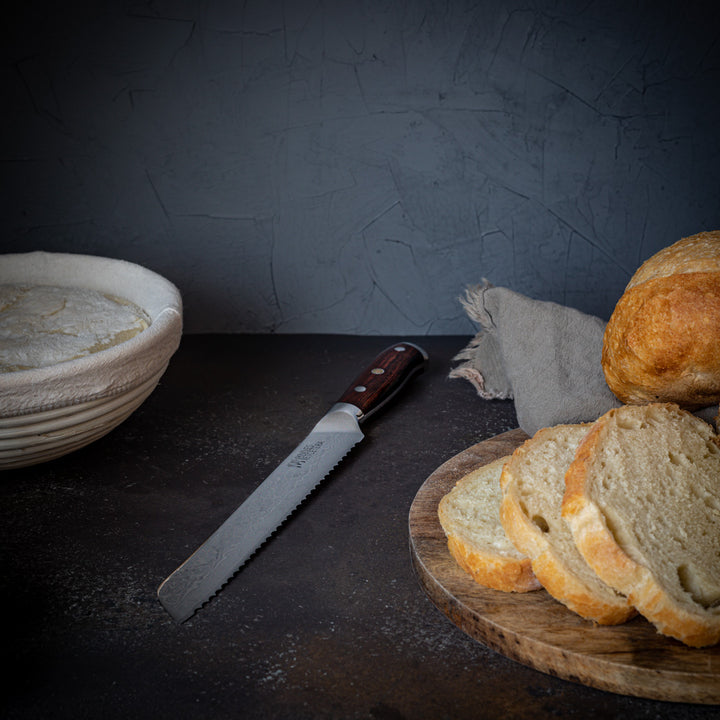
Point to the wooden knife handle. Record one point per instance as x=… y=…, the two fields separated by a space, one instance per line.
x=379 y=382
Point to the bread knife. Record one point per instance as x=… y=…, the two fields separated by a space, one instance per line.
x=205 y=572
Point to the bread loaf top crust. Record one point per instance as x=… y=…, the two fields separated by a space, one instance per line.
x=696 y=253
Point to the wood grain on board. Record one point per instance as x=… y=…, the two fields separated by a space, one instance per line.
x=536 y=630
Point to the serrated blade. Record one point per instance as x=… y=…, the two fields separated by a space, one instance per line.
x=227 y=549
x=222 y=554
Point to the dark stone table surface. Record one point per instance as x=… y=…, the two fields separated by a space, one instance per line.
x=327 y=620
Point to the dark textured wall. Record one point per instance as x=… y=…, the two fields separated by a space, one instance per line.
x=309 y=166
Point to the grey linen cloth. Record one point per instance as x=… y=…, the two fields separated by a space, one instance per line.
x=545 y=356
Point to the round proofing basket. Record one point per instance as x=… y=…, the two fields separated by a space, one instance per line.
x=51 y=411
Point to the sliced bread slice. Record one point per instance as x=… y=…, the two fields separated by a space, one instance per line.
x=642 y=500
x=469 y=515
x=533 y=484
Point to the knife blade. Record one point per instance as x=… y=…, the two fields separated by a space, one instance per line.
x=204 y=573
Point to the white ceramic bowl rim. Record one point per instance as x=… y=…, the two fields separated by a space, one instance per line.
x=109 y=371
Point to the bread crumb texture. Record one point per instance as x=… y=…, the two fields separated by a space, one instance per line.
x=642 y=501
x=533 y=484
x=41 y=326
x=469 y=516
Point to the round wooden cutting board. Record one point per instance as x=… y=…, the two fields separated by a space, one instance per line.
x=536 y=630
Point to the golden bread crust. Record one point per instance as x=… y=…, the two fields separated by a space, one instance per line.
x=662 y=343
x=574 y=595
x=493 y=571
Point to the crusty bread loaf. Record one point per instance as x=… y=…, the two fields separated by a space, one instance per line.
x=662 y=343
x=642 y=500
x=533 y=485
x=469 y=515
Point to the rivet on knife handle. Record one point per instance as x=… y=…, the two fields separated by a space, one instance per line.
x=391 y=369
x=222 y=554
